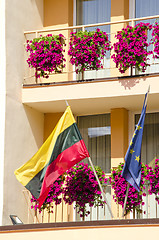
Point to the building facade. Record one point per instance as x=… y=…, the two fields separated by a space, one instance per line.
x=106 y=104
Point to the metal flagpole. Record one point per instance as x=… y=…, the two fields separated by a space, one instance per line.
x=128 y=186
x=104 y=196
x=147 y=94
x=126 y=197
x=66 y=103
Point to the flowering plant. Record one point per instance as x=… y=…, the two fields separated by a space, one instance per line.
x=82 y=187
x=131 y=47
x=86 y=49
x=153 y=178
x=155 y=39
x=119 y=184
x=46 y=54
x=54 y=195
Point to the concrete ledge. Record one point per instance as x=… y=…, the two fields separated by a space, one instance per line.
x=94 y=96
x=81 y=225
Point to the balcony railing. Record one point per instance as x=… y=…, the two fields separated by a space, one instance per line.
x=67 y=213
x=109 y=70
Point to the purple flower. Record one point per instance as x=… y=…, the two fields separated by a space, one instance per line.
x=46 y=54
x=132 y=48
x=82 y=188
x=94 y=46
x=119 y=185
x=54 y=195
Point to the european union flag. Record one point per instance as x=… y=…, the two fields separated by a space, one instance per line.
x=132 y=168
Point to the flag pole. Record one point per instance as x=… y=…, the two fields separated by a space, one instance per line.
x=104 y=196
x=66 y=103
x=126 y=197
x=147 y=95
x=128 y=186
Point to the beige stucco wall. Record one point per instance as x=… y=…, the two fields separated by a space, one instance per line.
x=2 y=99
x=113 y=233
x=24 y=125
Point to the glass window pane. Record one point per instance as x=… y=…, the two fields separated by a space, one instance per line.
x=96 y=133
x=145 y=8
x=150 y=142
x=91 y=12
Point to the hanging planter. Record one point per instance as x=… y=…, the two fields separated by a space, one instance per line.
x=119 y=184
x=87 y=49
x=155 y=39
x=153 y=178
x=46 y=54
x=82 y=188
x=131 y=48
x=54 y=196
x=77 y=185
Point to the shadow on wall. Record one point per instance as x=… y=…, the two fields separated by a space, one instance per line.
x=130 y=83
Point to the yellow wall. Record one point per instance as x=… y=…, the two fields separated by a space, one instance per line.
x=119 y=144
x=119 y=135
x=58 y=12
x=119 y=131
x=50 y=121
x=119 y=11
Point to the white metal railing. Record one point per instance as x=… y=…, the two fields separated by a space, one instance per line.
x=133 y=20
x=66 y=213
x=69 y=71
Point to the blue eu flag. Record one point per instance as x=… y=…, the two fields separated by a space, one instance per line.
x=132 y=168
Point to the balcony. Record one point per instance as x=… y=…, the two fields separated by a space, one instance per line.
x=67 y=213
x=108 y=71
x=60 y=226
x=93 y=91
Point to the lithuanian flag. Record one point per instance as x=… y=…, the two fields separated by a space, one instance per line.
x=63 y=149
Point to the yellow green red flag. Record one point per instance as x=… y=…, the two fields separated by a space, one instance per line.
x=63 y=149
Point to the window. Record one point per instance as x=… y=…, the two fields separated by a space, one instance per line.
x=96 y=133
x=91 y=12
x=149 y=151
x=145 y=8
x=150 y=141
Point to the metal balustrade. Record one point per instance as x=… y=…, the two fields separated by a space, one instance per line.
x=67 y=213
x=68 y=73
